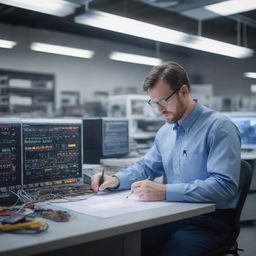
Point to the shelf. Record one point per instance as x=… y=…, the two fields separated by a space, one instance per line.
x=27 y=92
x=30 y=91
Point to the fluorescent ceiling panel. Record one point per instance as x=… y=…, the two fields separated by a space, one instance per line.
x=133 y=58
x=62 y=50
x=129 y=26
x=232 y=6
x=145 y=30
x=200 y=14
x=250 y=74
x=253 y=88
x=217 y=47
x=7 y=43
x=54 y=7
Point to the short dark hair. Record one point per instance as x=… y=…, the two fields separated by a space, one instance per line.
x=170 y=72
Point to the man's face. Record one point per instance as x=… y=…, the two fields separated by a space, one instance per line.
x=175 y=106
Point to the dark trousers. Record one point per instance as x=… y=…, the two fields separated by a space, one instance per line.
x=190 y=237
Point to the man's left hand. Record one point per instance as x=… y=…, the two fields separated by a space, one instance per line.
x=149 y=190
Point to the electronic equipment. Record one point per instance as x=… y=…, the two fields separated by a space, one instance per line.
x=10 y=157
x=105 y=138
x=51 y=214
x=14 y=218
x=246 y=123
x=89 y=170
x=51 y=151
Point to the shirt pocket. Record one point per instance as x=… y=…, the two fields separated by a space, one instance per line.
x=193 y=166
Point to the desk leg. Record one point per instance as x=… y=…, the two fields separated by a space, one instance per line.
x=131 y=243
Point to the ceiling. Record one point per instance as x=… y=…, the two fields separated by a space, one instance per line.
x=167 y=13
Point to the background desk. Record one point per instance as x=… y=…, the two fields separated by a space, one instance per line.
x=88 y=235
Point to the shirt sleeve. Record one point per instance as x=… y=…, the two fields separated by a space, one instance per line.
x=223 y=167
x=149 y=165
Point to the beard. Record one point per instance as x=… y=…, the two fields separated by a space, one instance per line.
x=174 y=117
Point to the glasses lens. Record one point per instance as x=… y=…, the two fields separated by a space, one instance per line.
x=152 y=104
x=162 y=103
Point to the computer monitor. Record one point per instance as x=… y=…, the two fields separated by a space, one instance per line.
x=10 y=154
x=51 y=151
x=105 y=138
x=246 y=123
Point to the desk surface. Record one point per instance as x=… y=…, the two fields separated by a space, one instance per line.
x=84 y=228
x=251 y=155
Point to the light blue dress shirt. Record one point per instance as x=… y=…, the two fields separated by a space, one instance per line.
x=200 y=158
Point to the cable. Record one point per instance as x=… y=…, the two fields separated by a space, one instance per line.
x=30 y=227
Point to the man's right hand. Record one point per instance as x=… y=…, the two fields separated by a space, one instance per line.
x=109 y=182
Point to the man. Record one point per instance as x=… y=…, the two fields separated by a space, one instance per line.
x=198 y=150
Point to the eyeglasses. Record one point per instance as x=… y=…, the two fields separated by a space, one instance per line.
x=163 y=102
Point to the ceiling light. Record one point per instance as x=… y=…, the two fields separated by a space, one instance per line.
x=250 y=74
x=129 y=26
x=232 y=6
x=217 y=47
x=253 y=88
x=133 y=58
x=54 y=7
x=7 y=43
x=145 y=30
x=56 y=49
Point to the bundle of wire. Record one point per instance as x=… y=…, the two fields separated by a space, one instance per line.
x=25 y=227
x=52 y=193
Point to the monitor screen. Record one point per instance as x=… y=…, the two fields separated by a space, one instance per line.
x=51 y=151
x=10 y=154
x=115 y=137
x=247 y=127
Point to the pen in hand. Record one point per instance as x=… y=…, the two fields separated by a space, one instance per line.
x=102 y=177
x=149 y=178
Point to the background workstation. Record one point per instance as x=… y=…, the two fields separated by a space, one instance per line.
x=36 y=84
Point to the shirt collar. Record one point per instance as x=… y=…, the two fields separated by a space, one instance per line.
x=176 y=127
x=191 y=118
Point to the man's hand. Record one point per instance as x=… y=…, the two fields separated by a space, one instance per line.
x=109 y=182
x=149 y=190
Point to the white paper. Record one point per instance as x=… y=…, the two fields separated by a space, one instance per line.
x=109 y=204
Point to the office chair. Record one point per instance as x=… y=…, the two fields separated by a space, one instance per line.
x=230 y=245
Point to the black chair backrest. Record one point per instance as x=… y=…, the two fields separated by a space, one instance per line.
x=244 y=186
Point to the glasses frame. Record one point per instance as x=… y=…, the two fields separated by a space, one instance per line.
x=162 y=102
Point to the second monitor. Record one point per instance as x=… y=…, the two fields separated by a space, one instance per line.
x=105 y=138
x=246 y=123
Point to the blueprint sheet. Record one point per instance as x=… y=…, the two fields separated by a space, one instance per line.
x=109 y=204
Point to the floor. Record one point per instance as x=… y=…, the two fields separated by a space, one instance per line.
x=247 y=239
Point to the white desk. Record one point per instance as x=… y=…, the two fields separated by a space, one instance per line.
x=250 y=155
x=83 y=229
